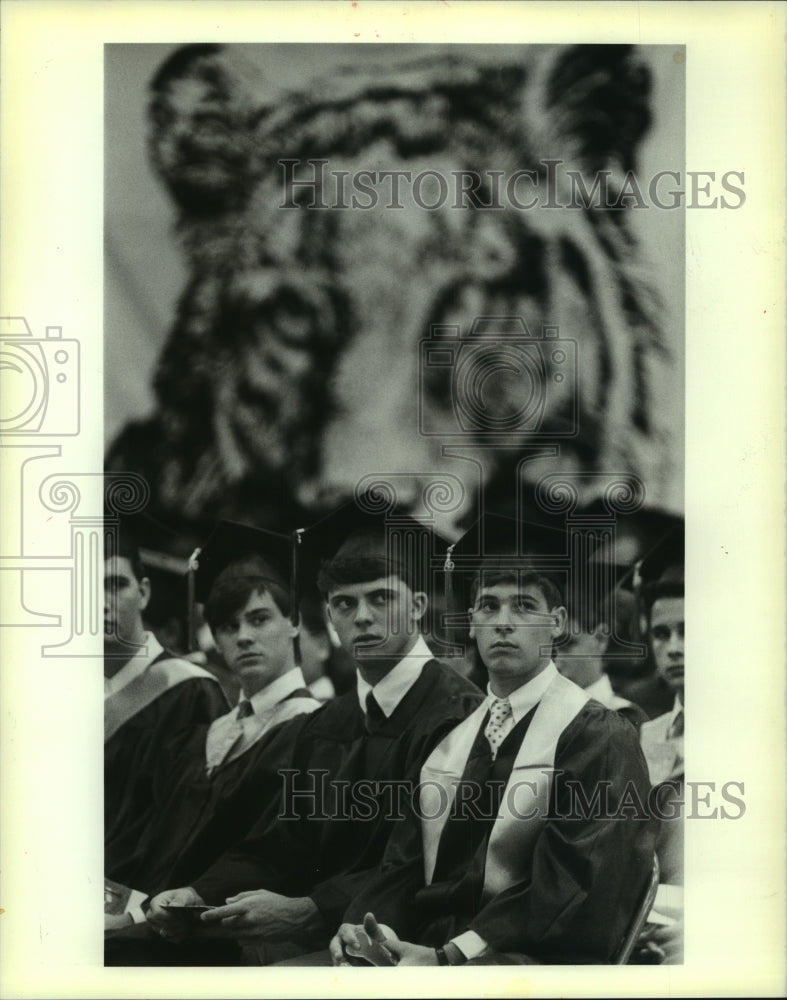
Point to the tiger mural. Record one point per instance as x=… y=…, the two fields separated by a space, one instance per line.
x=295 y=365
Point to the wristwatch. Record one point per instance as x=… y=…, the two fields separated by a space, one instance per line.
x=450 y=954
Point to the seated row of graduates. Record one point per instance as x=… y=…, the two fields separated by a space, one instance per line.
x=449 y=813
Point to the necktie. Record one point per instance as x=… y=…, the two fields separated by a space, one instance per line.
x=676 y=729
x=374 y=714
x=245 y=709
x=496 y=729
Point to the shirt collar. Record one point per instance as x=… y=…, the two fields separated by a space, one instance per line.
x=275 y=692
x=136 y=665
x=601 y=690
x=389 y=691
x=529 y=695
x=677 y=708
x=322 y=689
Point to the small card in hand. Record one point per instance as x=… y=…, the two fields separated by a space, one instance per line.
x=371 y=952
x=189 y=910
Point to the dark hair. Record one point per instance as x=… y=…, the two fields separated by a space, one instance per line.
x=521 y=578
x=125 y=547
x=230 y=592
x=180 y=62
x=653 y=592
x=359 y=569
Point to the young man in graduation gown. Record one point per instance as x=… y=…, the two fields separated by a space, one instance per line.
x=149 y=696
x=216 y=779
x=506 y=857
x=284 y=889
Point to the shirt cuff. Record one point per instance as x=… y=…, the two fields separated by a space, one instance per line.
x=134 y=907
x=137 y=914
x=471 y=945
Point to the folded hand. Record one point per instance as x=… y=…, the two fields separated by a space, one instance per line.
x=260 y=913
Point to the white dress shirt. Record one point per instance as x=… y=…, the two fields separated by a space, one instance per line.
x=602 y=691
x=677 y=709
x=663 y=749
x=524 y=698
x=322 y=689
x=389 y=691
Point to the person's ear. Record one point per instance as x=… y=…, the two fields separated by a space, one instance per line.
x=419 y=605
x=331 y=634
x=560 y=619
x=294 y=631
x=144 y=593
x=472 y=632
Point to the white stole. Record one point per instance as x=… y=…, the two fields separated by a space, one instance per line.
x=233 y=743
x=154 y=681
x=525 y=799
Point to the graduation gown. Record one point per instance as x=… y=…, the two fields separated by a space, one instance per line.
x=135 y=741
x=337 y=836
x=602 y=691
x=578 y=878
x=198 y=815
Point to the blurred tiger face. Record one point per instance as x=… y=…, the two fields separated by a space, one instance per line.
x=306 y=328
x=400 y=273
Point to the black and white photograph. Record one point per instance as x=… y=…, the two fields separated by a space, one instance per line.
x=421 y=433
x=428 y=281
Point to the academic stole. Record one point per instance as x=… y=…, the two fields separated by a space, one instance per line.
x=239 y=743
x=160 y=676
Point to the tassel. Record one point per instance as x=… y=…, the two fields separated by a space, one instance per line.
x=191 y=612
x=295 y=591
x=448 y=569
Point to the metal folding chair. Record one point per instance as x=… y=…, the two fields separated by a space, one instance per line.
x=640 y=917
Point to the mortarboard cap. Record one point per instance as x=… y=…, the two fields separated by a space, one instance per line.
x=637 y=538
x=666 y=558
x=661 y=571
x=369 y=536
x=635 y=534
x=239 y=550
x=498 y=543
